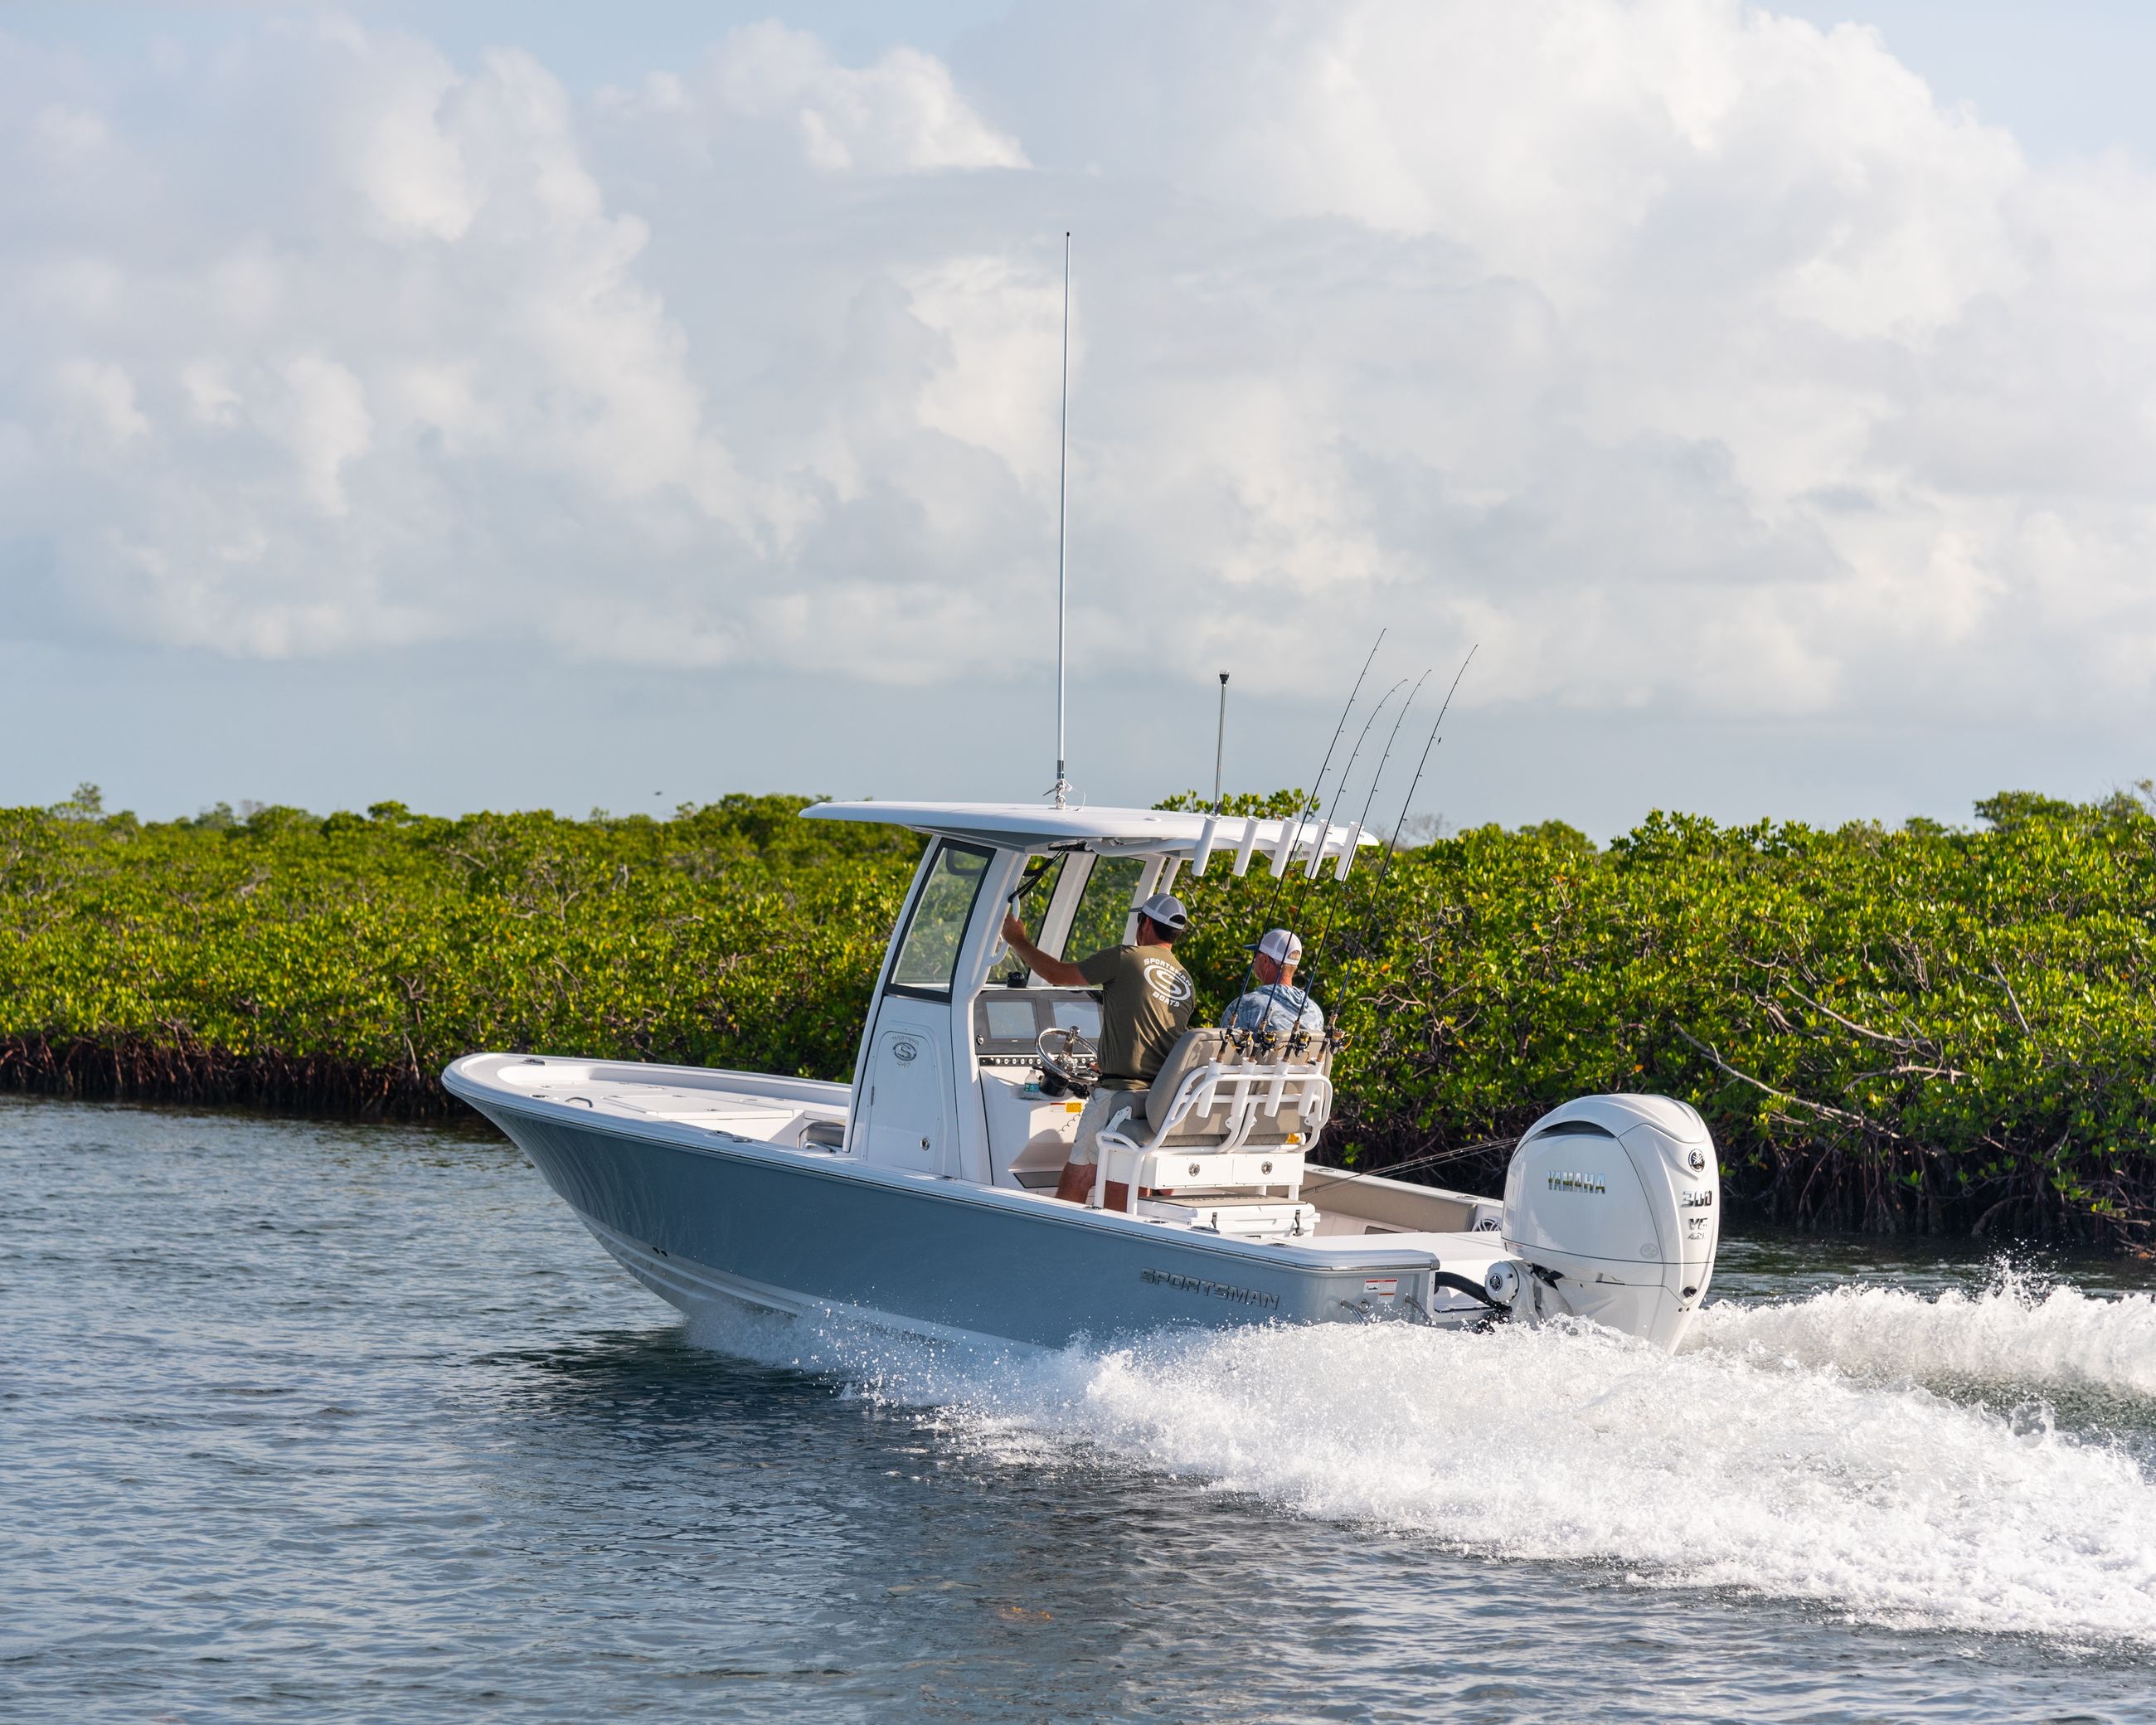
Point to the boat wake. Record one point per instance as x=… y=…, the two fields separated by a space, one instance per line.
x=1897 y=1459
x=2014 y=1334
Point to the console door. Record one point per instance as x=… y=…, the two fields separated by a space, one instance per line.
x=905 y=1099
x=905 y=1121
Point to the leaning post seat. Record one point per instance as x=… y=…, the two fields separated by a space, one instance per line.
x=1229 y=1112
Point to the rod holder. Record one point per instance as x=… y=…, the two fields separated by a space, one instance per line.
x=1200 y=862
x=1290 y=835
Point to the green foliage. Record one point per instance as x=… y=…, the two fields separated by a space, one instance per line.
x=1925 y=1027
x=734 y=934
x=1103 y=910
x=2010 y=808
x=1267 y=805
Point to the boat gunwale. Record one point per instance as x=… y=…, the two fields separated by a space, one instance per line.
x=1302 y=1254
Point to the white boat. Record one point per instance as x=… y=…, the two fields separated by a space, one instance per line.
x=921 y=1195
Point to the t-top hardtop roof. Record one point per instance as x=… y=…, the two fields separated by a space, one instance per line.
x=1115 y=832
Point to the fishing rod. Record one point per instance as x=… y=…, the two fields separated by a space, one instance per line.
x=1313 y=1181
x=1309 y=805
x=1311 y=801
x=1310 y=873
x=1363 y=820
x=1347 y=773
x=1393 y=843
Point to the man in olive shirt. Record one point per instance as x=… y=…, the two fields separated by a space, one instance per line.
x=1146 y=998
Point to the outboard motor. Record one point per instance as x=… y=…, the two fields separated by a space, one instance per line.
x=1612 y=1209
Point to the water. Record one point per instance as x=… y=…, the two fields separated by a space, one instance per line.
x=340 y=1422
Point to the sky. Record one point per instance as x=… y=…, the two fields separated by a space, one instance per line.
x=515 y=405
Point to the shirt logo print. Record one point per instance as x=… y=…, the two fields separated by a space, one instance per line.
x=1170 y=982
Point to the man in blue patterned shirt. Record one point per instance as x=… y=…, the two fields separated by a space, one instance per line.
x=1275 y=1005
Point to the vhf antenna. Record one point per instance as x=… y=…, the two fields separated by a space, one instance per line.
x=1062 y=495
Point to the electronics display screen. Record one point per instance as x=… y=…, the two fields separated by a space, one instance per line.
x=1010 y=1020
x=1007 y=1026
x=1083 y=1016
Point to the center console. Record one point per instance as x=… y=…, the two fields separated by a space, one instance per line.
x=1007 y=1022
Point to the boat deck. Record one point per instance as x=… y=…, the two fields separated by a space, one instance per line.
x=764 y=1110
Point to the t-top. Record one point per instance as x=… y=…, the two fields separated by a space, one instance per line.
x=1146 y=998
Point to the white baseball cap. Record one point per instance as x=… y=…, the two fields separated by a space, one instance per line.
x=1164 y=910
x=1279 y=945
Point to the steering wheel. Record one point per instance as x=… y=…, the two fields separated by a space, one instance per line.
x=1073 y=1070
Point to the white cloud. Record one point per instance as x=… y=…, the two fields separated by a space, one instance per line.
x=902 y=115
x=211 y=398
x=1000 y=322
x=1751 y=272
x=1689 y=357
x=68 y=135
x=97 y=398
x=404 y=146
x=323 y=420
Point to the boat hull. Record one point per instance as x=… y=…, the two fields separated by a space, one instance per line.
x=703 y=1222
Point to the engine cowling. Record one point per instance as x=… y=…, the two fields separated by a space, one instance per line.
x=1613 y=1203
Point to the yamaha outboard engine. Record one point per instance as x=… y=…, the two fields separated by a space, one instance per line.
x=1613 y=1211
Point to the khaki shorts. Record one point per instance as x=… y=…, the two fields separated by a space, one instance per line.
x=1100 y=1110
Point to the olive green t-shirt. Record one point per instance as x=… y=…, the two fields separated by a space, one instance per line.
x=1146 y=998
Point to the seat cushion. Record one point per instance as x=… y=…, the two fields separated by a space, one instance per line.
x=1193 y=1049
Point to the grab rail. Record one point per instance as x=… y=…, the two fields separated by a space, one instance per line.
x=1247 y=1093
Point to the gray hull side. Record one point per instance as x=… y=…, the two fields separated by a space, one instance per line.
x=926 y=1256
